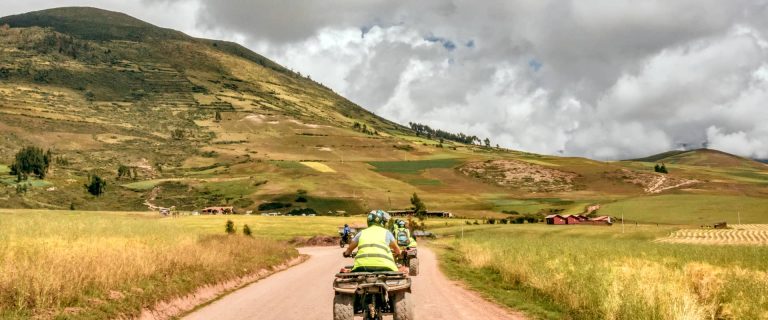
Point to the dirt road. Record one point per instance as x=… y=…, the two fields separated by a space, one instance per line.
x=304 y=292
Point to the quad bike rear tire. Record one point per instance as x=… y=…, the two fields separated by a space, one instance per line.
x=404 y=309
x=343 y=307
x=413 y=267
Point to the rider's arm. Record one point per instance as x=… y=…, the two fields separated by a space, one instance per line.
x=352 y=245
x=393 y=243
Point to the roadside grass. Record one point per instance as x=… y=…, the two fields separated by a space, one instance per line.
x=593 y=272
x=96 y=265
x=4 y=169
x=689 y=209
x=412 y=167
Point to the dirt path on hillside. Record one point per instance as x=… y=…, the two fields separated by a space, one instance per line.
x=304 y=292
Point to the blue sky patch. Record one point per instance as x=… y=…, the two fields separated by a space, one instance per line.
x=535 y=65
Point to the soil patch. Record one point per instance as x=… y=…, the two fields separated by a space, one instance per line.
x=521 y=175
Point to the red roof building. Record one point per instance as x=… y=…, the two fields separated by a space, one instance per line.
x=555 y=219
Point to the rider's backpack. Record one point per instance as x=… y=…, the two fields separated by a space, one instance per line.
x=402 y=238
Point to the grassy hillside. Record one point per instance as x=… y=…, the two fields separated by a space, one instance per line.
x=204 y=122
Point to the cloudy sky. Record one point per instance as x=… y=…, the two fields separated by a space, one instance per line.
x=607 y=79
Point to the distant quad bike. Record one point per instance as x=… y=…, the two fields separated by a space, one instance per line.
x=344 y=240
x=410 y=259
x=372 y=295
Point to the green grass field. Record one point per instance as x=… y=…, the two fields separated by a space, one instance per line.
x=412 y=167
x=690 y=209
x=592 y=272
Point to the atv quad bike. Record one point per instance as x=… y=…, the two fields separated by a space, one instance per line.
x=410 y=259
x=372 y=295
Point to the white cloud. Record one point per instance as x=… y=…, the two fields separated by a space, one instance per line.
x=607 y=79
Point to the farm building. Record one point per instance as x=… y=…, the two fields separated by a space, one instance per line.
x=572 y=219
x=578 y=219
x=218 y=210
x=555 y=219
x=601 y=220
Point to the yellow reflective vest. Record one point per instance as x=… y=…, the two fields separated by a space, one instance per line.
x=373 y=249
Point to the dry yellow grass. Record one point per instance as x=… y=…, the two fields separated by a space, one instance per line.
x=321 y=167
x=99 y=265
x=600 y=273
x=752 y=234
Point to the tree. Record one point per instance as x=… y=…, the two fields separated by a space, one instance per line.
x=663 y=169
x=230 y=227
x=31 y=160
x=247 y=230
x=487 y=142
x=96 y=185
x=418 y=206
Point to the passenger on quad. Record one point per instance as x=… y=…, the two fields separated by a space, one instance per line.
x=376 y=245
x=403 y=234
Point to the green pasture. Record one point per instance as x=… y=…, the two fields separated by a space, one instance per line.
x=690 y=209
x=412 y=167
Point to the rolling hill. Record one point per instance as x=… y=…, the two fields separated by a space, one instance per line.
x=703 y=157
x=205 y=122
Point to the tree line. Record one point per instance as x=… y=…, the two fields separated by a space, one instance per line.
x=426 y=131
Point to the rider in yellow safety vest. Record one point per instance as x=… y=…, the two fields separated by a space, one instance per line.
x=375 y=246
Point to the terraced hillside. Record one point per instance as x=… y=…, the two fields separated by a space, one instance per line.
x=204 y=122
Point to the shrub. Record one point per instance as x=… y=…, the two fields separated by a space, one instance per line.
x=96 y=185
x=31 y=160
x=301 y=211
x=230 y=227
x=273 y=206
x=301 y=199
x=247 y=230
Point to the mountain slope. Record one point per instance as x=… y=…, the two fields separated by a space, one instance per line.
x=204 y=122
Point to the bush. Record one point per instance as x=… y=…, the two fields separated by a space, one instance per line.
x=273 y=206
x=247 y=230
x=230 y=227
x=301 y=199
x=96 y=185
x=491 y=221
x=31 y=160
x=301 y=211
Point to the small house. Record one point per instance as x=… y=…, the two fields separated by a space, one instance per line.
x=601 y=220
x=555 y=219
x=572 y=219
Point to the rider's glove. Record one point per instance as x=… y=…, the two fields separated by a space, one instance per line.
x=345 y=254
